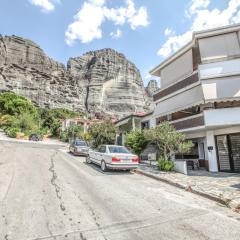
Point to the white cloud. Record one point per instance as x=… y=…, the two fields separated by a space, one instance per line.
x=87 y=24
x=202 y=18
x=45 y=5
x=139 y=19
x=168 y=32
x=196 y=5
x=116 y=34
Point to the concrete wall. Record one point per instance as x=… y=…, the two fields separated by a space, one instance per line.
x=180 y=166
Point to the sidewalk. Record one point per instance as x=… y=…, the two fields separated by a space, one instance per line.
x=220 y=187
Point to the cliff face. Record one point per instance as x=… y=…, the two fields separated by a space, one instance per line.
x=109 y=82
x=152 y=87
x=102 y=81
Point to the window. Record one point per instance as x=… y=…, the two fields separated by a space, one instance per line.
x=80 y=143
x=118 y=149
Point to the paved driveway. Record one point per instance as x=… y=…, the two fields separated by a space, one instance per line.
x=48 y=194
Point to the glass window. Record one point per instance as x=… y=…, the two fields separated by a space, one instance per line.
x=118 y=149
x=80 y=143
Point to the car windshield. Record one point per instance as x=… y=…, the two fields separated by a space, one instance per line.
x=80 y=143
x=116 y=149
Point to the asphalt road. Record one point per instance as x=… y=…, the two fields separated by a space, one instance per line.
x=45 y=193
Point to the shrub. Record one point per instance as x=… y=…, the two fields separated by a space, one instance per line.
x=52 y=118
x=6 y=121
x=63 y=136
x=165 y=165
x=13 y=104
x=136 y=141
x=12 y=132
x=168 y=140
x=27 y=123
x=75 y=131
x=102 y=133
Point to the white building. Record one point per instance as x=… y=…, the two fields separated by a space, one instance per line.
x=200 y=96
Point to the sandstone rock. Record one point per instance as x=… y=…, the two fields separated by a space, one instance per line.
x=99 y=81
x=152 y=87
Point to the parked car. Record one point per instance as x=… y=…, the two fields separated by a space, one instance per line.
x=113 y=157
x=35 y=137
x=79 y=147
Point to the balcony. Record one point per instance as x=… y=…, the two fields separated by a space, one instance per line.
x=190 y=122
x=177 y=86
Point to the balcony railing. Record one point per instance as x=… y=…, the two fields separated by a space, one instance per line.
x=179 y=85
x=190 y=122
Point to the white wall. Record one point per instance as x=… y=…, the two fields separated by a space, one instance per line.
x=221 y=88
x=219 y=69
x=212 y=154
x=222 y=117
x=180 y=166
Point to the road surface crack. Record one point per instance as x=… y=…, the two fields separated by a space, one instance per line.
x=53 y=182
x=94 y=216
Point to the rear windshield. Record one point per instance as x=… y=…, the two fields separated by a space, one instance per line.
x=80 y=143
x=115 y=149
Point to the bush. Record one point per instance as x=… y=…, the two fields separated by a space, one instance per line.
x=102 y=133
x=13 y=104
x=12 y=132
x=63 y=136
x=136 y=141
x=165 y=165
x=73 y=132
x=6 y=121
x=168 y=140
x=52 y=118
x=27 y=123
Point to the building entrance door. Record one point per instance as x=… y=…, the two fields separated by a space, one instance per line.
x=228 y=149
x=235 y=151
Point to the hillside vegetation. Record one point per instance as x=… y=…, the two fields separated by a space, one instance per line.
x=20 y=117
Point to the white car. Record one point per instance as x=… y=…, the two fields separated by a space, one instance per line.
x=113 y=157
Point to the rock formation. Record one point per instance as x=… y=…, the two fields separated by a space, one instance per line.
x=102 y=81
x=152 y=87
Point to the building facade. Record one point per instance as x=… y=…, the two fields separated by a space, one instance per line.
x=200 y=96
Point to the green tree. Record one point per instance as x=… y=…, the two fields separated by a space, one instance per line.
x=52 y=118
x=137 y=141
x=13 y=104
x=168 y=140
x=102 y=133
x=75 y=131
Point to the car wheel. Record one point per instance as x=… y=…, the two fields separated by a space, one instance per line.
x=103 y=166
x=88 y=160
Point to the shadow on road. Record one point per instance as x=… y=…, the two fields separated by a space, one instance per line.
x=109 y=172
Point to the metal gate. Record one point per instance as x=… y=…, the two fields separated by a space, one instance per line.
x=228 y=149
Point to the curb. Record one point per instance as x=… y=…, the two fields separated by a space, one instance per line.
x=186 y=188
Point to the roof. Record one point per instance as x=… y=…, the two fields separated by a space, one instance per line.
x=196 y=35
x=140 y=114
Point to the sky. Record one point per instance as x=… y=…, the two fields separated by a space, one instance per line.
x=145 y=31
